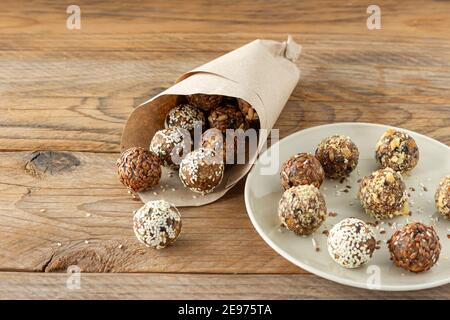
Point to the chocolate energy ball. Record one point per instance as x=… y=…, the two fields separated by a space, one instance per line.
x=227 y=117
x=351 y=243
x=170 y=145
x=397 y=150
x=338 y=156
x=302 y=168
x=415 y=247
x=383 y=194
x=139 y=169
x=214 y=139
x=157 y=224
x=302 y=209
x=205 y=102
x=201 y=170
x=185 y=116
x=442 y=197
x=250 y=113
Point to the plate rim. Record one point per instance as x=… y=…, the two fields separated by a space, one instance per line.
x=312 y=270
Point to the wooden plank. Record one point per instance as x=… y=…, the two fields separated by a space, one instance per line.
x=70 y=198
x=408 y=18
x=191 y=286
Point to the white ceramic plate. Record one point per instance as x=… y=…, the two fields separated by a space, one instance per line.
x=262 y=193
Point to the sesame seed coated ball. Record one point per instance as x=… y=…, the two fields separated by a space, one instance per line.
x=415 y=247
x=302 y=209
x=138 y=169
x=383 y=194
x=442 y=197
x=201 y=170
x=338 y=156
x=170 y=145
x=397 y=150
x=205 y=102
x=157 y=224
x=302 y=168
x=351 y=243
x=185 y=116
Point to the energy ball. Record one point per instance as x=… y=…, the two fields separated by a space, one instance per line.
x=383 y=194
x=205 y=102
x=201 y=170
x=302 y=168
x=139 y=169
x=338 y=156
x=302 y=209
x=214 y=139
x=250 y=113
x=351 y=243
x=170 y=145
x=397 y=150
x=157 y=224
x=442 y=197
x=415 y=247
x=227 y=117
x=185 y=116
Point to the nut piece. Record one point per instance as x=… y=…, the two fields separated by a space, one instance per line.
x=201 y=170
x=338 y=156
x=397 y=150
x=351 y=243
x=302 y=168
x=157 y=224
x=383 y=194
x=185 y=116
x=227 y=117
x=205 y=102
x=250 y=113
x=415 y=247
x=138 y=169
x=170 y=145
x=442 y=197
x=302 y=209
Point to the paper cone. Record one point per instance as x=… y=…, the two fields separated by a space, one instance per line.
x=262 y=72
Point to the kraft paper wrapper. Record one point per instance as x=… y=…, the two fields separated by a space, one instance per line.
x=262 y=72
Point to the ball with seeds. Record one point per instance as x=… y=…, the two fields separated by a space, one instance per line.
x=302 y=209
x=202 y=170
x=302 y=168
x=397 y=150
x=185 y=116
x=351 y=243
x=170 y=145
x=157 y=224
x=442 y=197
x=227 y=117
x=415 y=247
x=338 y=155
x=138 y=169
x=205 y=102
x=383 y=194
x=214 y=139
x=250 y=113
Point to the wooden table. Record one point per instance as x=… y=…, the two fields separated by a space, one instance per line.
x=67 y=94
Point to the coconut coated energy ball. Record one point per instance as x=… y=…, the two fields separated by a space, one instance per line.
x=351 y=243
x=302 y=209
x=415 y=247
x=201 y=170
x=383 y=194
x=227 y=117
x=338 y=156
x=442 y=197
x=170 y=145
x=397 y=150
x=185 y=116
x=302 y=168
x=157 y=224
x=138 y=169
x=205 y=102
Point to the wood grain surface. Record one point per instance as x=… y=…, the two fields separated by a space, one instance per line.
x=66 y=94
